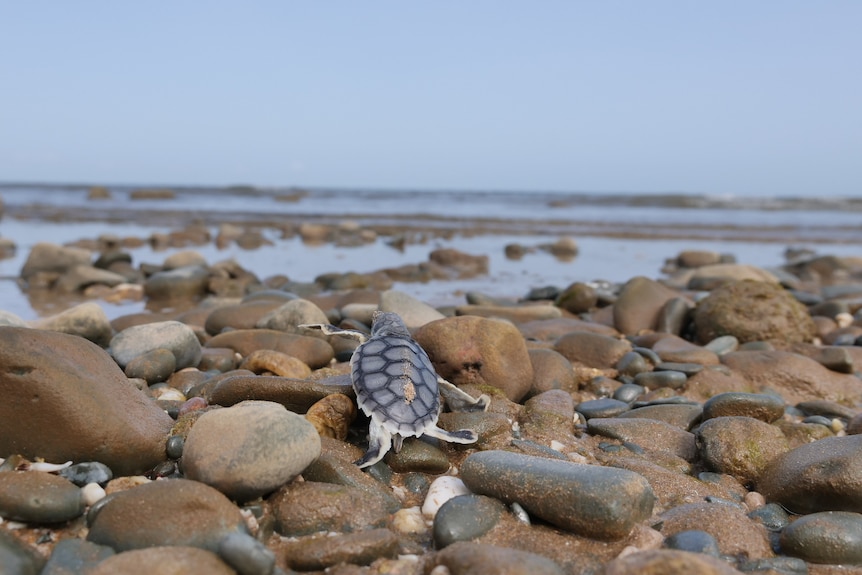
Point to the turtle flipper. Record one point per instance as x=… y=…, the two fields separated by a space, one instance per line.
x=379 y=443
x=329 y=329
x=460 y=436
x=459 y=400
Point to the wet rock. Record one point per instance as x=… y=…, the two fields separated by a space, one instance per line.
x=38 y=497
x=740 y=446
x=661 y=379
x=795 y=377
x=591 y=349
x=39 y=418
x=764 y=407
x=250 y=449
x=577 y=298
x=80 y=277
x=87 y=472
x=153 y=366
x=639 y=304
x=822 y=476
x=668 y=562
x=174 y=336
x=648 y=433
x=305 y=508
x=267 y=361
x=173 y=560
x=53 y=258
x=474 y=350
x=604 y=407
x=312 y=351
x=464 y=518
x=736 y=533
x=695 y=541
x=87 y=320
x=551 y=370
x=831 y=537
x=468 y=558
x=317 y=552
x=177 y=284
x=16 y=558
x=418 y=456
x=672 y=348
x=598 y=502
x=297 y=395
x=752 y=311
x=167 y=512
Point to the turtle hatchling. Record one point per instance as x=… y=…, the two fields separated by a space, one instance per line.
x=397 y=387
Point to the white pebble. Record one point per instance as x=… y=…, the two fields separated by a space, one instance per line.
x=754 y=500
x=48 y=467
x=557 y=445
x=170 y=394
x=844 y=319
x=409 y=521
x=837 y=425
x=440 y=570
x=442 y=490
x=91 y=493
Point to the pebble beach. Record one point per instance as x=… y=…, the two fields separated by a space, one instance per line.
x=674 y=383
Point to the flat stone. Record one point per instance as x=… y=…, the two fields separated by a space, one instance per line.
x=38 y=497
x=172 y=560
x=470 y=558
x=598 y=502
x=464 y=518
x=762 y=406
x=668 y=562
x=648 y=433
x=311 y=507
x=317 y=552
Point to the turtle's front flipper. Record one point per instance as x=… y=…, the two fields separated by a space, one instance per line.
x=459 y=400
x=329 y=329
x=460 y=436
x=379 y=443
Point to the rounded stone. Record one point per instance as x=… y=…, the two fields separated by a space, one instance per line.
x=464 y=518
x=830 y=537
x=38 y=497
x=760 y=406
x=164 y=560
x=153 y=366
x=639 y=304
x=604 y=407
x=658 y=379
x=577 y=298
x=740 y=446
x=311 y=507
x=250 y=449
x=476 y=350
x=87 y=320
x=174 y=336
x=472 y=558
x=825 y=475
x=633 y=363
x=752 y=311
x=246 y=554
x=592 y=349
x=668 y=562
x=177 y=284
x=598 y=502
x=290 y=315
x=695 y=541
x=165 y=512
x=94 y=414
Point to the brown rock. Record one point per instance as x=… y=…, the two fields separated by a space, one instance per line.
x=317 y=552
x=736 y=533
x=551 y=370
x=795 y=377
x=469 y=558
x=312 y=351
x=648 y=433
x=297 y=395
x=275 y=363
x=552 y=329
x=238 y=316
x=64 y=398
x=740 y=446
x=639 y=304
x=668 y=562
x=592 y=350
x=474 y=350
x=308 y=507
x=752 y=311
x=165 y=560
x=673 y=348
x=332 y=415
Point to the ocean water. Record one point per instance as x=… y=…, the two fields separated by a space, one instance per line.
x=619 y=235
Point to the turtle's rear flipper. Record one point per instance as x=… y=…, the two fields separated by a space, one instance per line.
x=460 y=436
x=379 y=443
x=459 y=400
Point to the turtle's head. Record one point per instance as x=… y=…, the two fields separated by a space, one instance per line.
x=388 y=323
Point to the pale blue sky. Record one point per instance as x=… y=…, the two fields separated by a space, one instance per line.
x=755 y=97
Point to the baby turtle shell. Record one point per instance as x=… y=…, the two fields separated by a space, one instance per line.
x=397 y=387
